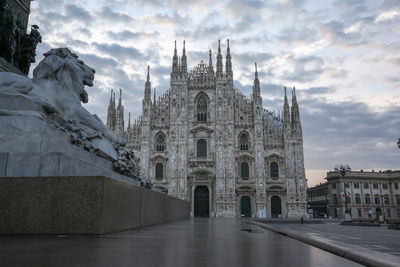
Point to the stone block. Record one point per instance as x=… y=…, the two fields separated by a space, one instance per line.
x=121 y=206
x=49 y=164
x=77 y=205
x=23 y=164
x=25 y=205
x=81 y=205
x=151 y=207
x=21 y=142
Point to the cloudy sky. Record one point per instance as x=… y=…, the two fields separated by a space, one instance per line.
x=343 y=57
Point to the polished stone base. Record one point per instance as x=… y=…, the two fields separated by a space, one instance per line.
x=82 y=205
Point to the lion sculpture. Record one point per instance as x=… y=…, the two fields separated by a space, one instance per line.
x=54 y=95
x=58 y=85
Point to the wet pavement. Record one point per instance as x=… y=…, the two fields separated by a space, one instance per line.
x=367 y=237
x=199 y=242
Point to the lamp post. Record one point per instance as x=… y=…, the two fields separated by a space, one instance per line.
x=342 y=169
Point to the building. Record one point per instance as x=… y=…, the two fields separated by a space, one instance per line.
x=369 y=194
x=317 y=200
x=204 y=141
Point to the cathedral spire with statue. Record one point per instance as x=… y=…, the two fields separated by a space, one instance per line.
x=206 y=142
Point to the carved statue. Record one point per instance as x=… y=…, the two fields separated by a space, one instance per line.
x=28 y=49
x=7 y=33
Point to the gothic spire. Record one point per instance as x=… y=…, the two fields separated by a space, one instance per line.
x=256 y=86
x=295 y=112
x=147 y=86
x=111 y=97
x=154 y=97
x=219 y=61
x=228 y=64
x=175 y=68
x=184 y=60
x=120 y=97
x=286 y=110
x=129 y=120
x=210 y=64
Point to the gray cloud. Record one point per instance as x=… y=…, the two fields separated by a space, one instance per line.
x=129 y=35
x=120 y=52
x=108 y=14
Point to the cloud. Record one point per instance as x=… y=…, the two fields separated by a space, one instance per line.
x=108 y=14
x=120 y=52
x=129 y=35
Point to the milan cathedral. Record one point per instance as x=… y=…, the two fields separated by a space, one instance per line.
x=205 y=142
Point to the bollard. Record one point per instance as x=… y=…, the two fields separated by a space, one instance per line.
x=301 y=220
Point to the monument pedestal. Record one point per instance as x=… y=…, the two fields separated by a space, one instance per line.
x=49 y=186
x=82 y=205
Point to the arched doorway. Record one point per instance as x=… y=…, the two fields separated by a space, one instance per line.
x=276 y=209
x=201 y=202
x=245 y=206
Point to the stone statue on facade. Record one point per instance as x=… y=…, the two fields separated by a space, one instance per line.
x=28 y=49
x=16 y=46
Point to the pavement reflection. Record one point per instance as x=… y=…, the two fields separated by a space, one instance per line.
x=198 y=242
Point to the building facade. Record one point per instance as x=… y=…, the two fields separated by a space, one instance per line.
x=205 y=142
x=317 y=200
x=369 y=194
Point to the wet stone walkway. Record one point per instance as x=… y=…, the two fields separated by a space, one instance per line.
x=199 y=242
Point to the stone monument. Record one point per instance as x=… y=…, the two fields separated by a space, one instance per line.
x=61 y=169
x=17 y=48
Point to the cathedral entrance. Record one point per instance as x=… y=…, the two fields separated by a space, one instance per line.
x=276 y=209
x=245 y=207
x=201 y=202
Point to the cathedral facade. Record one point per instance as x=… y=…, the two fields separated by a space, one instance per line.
x=205 y=142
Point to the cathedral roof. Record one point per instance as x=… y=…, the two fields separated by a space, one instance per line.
x=201 y=74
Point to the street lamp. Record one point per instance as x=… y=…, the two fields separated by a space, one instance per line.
x=342 y=170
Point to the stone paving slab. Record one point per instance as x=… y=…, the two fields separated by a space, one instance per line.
x=371 y=246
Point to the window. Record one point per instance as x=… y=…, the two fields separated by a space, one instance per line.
x=274 y=169
x=160 y=142
x=396 y=185
x=366 y=185
x=334 y=196
x=244 y=170
x=386 y=200
x=397 y=199
x=159 y=171
x=359 y=212
x=334 y=186
x=385 y=186
x=202 y=108
x=375 y=185
x=358 y=199
x=367 y=199
x=201 y=148
x=347 y=184
x=356 y=185
x=377 y=199
x=244 y=141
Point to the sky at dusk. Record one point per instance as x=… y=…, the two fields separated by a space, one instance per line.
x=343 y=57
